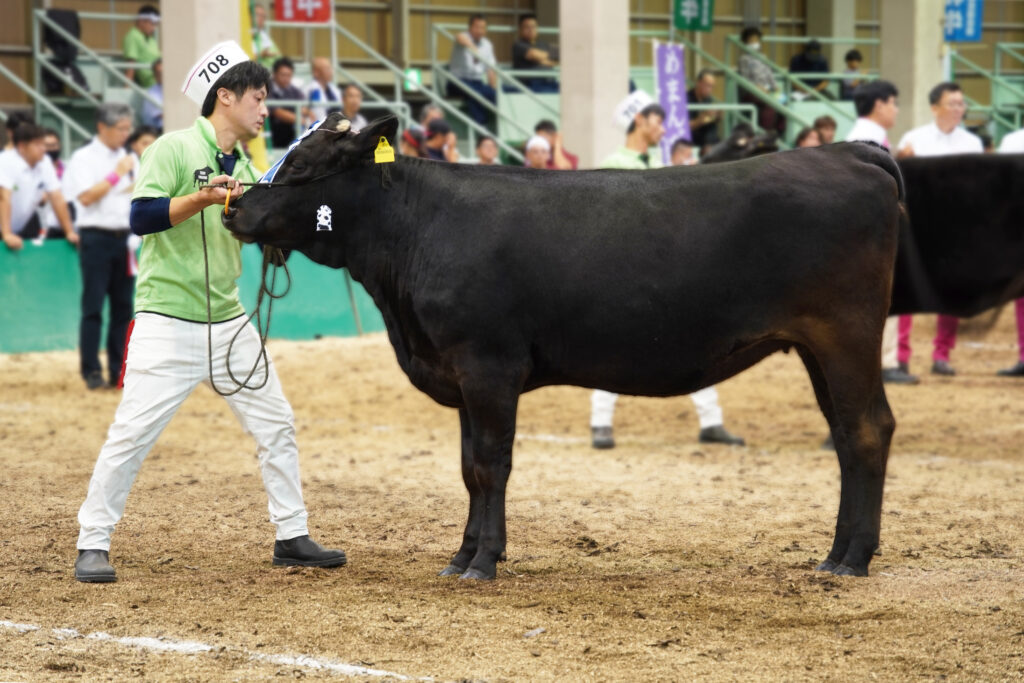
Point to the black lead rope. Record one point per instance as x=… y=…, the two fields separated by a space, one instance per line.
x=272 y=256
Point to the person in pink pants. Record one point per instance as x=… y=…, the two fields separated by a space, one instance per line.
x=945 y=341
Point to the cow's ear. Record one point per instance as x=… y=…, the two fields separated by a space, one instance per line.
x=370 y=136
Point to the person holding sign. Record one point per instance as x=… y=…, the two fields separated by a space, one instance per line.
x=184 y=179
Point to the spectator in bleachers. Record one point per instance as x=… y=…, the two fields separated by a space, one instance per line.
x=141 y=138
x=13 y=121
x=50 y=221
x=51 y=141
x=153 y=115
x=323 y=90
x=681 y=153
x=100 y=179
x=471 y=62
x=283 y=118
x=944 y=136
x=440 y=143
x=808 y=137
x=140 y=45
x=411 y=143
x=826 y=127
x=530 y=53
x=264 y=49
x=428 y=113
x=852 y=71
x=560 y=158
x=26 y=175
x=757 y=71
x=487 y=151
x=811 y=61
x=703 y=124
x=351 y=102
x=537 y=152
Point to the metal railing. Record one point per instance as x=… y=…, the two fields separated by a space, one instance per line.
x=1007 y=117
x=506 y=77
x=40 y=18
x=791 y=82
x=1015 y=51
x=67 y=124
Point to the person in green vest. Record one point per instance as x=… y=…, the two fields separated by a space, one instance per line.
x=263 y=46
x=183 y=309
x=140 y=45
x=643 y=121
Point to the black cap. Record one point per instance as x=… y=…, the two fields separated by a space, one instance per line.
x=438 y=127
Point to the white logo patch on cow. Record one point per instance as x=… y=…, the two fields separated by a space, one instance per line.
x=323 y=218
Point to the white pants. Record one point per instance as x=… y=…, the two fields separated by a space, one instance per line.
x=709 y=413
x=890 y=342
x=166 y=359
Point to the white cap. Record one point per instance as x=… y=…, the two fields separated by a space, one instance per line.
x=628 y=108
x=538 y=141
x=210 y=67
x=152 y=16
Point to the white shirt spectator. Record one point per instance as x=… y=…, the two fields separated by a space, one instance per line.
x=316 y=93
x=88 y=166
x=929 y=141
x=866 y=130
x=27 y=184
x=469 y=67
x=1012 y=143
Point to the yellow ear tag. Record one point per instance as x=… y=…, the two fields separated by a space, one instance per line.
x=385 y=153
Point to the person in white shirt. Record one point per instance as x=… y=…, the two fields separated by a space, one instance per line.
x=1013 y=143
x=941 y=137
x=471 y=62
x=99 y=179
x=26 y=176
x=877 y=107
x=323 y=90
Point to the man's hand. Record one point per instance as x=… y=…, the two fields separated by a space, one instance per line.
x=13 y=242
x=126 y=164
x=905 y=152
x=209 y=196
x=72 y=238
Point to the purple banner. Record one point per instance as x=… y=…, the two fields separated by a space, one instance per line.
x=671 y=84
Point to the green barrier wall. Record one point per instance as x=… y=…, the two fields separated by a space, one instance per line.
x=41 y=287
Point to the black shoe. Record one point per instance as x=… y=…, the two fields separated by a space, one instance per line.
x=93 y=566
x=904 y=367
x=941 y=367
x=601 y=437
x=897 y=376
x=1016 y=371
x=94 y=380
x=719 y=434
x=303 y=551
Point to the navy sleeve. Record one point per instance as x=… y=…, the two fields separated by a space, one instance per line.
x=150 y=215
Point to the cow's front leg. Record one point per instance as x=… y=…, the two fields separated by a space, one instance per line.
x=491 y=407
x=476 y=504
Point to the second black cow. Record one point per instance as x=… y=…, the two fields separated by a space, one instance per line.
x=496 y=281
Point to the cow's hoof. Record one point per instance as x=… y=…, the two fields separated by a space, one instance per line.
x=476 y=574
x=845 y=570
x=451 y=570
x=828 y=565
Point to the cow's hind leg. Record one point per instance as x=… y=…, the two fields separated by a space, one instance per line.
x=476 y=504
x=848 y=385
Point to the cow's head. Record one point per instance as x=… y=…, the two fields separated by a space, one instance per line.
x=308 y=203
x=740 y=144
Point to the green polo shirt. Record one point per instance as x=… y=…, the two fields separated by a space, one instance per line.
x=630 y=160
x=171 y=278
x=138 y=47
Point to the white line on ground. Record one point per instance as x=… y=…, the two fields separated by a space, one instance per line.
x=191 y=647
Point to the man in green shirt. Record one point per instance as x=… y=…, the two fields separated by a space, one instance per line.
x=166 y=355
x=643 y=121
x=140 y=45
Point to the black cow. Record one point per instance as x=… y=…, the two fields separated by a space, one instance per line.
x=496 y=281
x=742 y=143
x=963 y=250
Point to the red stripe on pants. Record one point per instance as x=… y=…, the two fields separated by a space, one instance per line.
x=124 y=360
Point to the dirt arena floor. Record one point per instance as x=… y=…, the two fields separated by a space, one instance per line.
x=661 y=560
